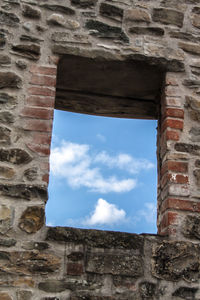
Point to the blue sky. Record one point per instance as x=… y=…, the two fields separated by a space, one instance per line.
x=103 y=173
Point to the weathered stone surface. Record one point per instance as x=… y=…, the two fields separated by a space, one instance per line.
x=195 y=134
x=176 y=260
x=4 y=296
x=4 y=60
x=96 y=238
x=32 y=219
x=53 y=286
x=190 y=48
x=6 y=117
x=36 y=246
x=31 y=51
x=59 y=20
x=84 y=3
x=31 y=12
x=6 y=218
x=7 y=101
x=191 y=83
x=191 y=227
x=23 y=191
x=168 y=16
x=115 y=264
x=7 y=242
x=8 y=19
x=196 y=21
x=185 y=293
x=111 y=11
x=10 y=80
x=21 y=64
x=65 y=37
x=184 y=36
x=59 y=8
x=104 y=30
x=75 y=256
x=15 y=156
x=31 y=174
x=156 y=31
x=137 y=15
x=147 y=290
x=30 y=38
x=28 y=263
x=188 y=148
x=24 y=295
x=6 y=172
x=4 y=136
x=2 y=40
x=197 y=176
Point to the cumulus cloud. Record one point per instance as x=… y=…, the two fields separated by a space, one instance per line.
x=105 y=213
x=74 y=162
x=124 y=161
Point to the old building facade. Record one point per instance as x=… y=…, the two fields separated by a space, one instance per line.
x=67 y=54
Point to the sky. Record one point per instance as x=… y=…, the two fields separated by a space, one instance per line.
x=103 y=173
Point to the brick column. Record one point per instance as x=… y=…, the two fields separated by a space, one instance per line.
x=173 y=183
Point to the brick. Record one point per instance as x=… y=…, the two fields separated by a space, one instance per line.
x=42 y=138
x=171 y=80
x=169 y=218
x=38 y=113
x=40 y=149
x=179 y=167
x=37 y=125
x=172 y=135
x=173 y=101
x=35 y=69
x=44 y=166
x=174 y=112
x=171 y=123
x=178 y=204
x=74 y=269
x=40 y=101
x=43 y=80
x=174 y=178
x=42 y=91
x=179 y=190
x=172 y=91
x=45 y=178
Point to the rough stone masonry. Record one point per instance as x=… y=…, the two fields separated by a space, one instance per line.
x=39 y=42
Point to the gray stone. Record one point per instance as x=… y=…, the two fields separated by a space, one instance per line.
x=191 y=83
x=31 y=174
x=155 y=31
x=84 y=3
x=9 y=19
x=115 y=264
x=10 y=80
x=6 y=117
x=30 y=38
x=53 y=286
x=188 y=148
x=137 y=15
x=7 y=101
x=6 y=218
x=190 y=48
x=31 y=51
x=191 y=227
x=5 y=136
x=31 y=12
x=2 y=40
x=7 y=242
x=195 y=134
x=6 y=172
x=15 y=156
x=184 y=36
x=36 y=246
x=197 y=163
x=59 y=8
x=168 y=16
x=187 y=293
x=32 y=219
x=56 y=20
x=104 y=30
x=23 y=191
x=111 y=11
x=21 y=64
x=24 y=295
x=197 y=176
x=4 y=60
x=147 y=289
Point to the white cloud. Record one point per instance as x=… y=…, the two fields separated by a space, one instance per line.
x=124 y=161
x=101 y=137
x=74 y=162
x=105 y=213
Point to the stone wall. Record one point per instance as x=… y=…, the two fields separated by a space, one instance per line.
x=37 y=262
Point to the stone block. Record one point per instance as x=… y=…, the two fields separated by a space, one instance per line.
x=32 y=219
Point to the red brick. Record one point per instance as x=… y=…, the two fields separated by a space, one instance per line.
x=74 y=269
x=171 y=123
x=41 y=101
x=38 y=113
x=40 y=149
x=42 y=138
x=43 y=70
x=171 y=80
x=172 y=135
x=174 y=112
x=173 y=101
x=179 y=167
x=42 y=91
x=169 y=218
x=37 y=125
x=44 y=166
x=43 y=80
x=173 y=178
x=177 y=204
x=172 y=91
x=45 y=178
